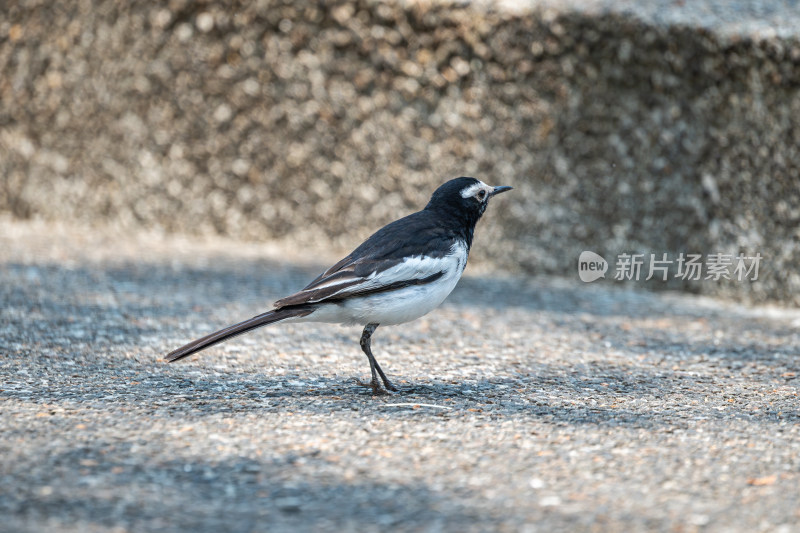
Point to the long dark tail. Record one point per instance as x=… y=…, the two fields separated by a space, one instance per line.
x=270 y=317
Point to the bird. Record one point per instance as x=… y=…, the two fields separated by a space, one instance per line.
x=403 y=271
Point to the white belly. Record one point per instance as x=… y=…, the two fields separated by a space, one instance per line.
x=396 y=306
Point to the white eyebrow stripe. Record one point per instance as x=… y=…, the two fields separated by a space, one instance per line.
x=473 y=189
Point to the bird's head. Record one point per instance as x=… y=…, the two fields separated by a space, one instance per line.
x=466 y=197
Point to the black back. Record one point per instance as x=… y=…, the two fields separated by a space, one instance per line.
x=447 y=218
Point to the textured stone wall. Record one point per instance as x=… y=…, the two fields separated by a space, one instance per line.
x=318 y=122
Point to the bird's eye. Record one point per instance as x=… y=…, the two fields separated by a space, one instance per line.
x=481 y=195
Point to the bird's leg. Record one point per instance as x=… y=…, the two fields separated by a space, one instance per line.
x=366 y=338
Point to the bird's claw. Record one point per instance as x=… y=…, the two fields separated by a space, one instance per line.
x=378 y=388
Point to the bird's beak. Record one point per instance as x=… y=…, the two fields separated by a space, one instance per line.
x=502 y=188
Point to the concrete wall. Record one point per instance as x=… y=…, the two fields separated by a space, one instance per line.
x=316 y=122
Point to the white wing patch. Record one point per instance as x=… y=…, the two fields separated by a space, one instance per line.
x=473 y=189
x=416 y=267
x=329 y=283
x=402 y=305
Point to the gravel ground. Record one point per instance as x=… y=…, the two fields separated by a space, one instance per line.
x=529 y=404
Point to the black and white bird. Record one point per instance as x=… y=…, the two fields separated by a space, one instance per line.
x=402 y=272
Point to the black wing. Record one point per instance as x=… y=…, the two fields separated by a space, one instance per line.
x=379 y=263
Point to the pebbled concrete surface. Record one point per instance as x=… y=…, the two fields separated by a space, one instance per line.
x=636 y=127
x=530 y=404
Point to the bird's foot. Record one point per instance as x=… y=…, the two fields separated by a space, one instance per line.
x=388 y=384
x=377 y=387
